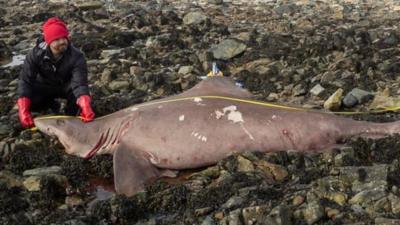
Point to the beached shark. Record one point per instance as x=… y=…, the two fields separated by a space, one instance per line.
x=198 y=128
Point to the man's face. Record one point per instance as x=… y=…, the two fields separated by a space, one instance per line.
x=59 y=46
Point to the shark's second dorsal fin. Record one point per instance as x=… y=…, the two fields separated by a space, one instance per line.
x=217 y=86
x=132 y=171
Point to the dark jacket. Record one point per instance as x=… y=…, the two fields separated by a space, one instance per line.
x=40 y=70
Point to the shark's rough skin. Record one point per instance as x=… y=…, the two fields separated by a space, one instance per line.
x=192 y=130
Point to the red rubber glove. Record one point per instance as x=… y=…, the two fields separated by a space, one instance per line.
x=87 y=113
x=24 y=112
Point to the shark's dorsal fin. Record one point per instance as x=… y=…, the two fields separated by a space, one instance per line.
x=216 y=86
x=132 y=171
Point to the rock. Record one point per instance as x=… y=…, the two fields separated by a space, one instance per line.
x=394 y=203
x=361 y=95
x=136 y=71
x=367 y=197
x=332 y=213
x=5 y=53
x=298 y=200
x=386 y=221
x=34 y=183
x=5 y=130
x=350 y=101
x=334 y=102
x=74 y=222
x=313 y=212
x=106 y=76
x=278 y=172
x=111 y=53
x=203 y=211
x=280 y=215
x=298 y=90
x=327 y=77
x=10 y=179
x=233 y=202
x=194 y=18
x=233 y=218
x=345 y=157
x=42 y=171
x=255 y=215
x=5 y=149
x=244 y=164
x=228 y=49
x=118 y=85
x=73 y=200
x=381 y=102
x=331 y=188
x=367 y=178
x=185 y=70
x=317 y=90
x=216 y=2
x=208 y=221
x=91 y=5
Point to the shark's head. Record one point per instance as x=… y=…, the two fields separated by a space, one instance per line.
x=70 y=131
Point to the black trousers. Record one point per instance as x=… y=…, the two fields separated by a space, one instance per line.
x=44 y=98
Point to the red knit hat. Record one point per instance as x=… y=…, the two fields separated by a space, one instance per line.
x=53 y=29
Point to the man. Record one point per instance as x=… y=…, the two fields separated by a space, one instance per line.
x=54 y=69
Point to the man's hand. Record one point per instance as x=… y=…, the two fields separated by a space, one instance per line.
x=24 y=112
x=87 y=113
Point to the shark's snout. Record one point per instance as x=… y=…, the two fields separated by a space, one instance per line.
x=43 y=126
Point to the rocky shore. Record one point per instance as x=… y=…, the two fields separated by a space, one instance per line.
x=340 y=55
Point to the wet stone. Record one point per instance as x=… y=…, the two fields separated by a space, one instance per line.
x=313 y=212
x=317 y=90
x=228 y=49
x=280 y=215
x=361 y=95
x=43 y=171
x=233 y=202
x=35 y=183
x=185 y=70
x=244 y=164
x=366 y=197
x=119 y=85
x=334 y=101
x=208 y=221
x=5 y=130
x=255 y=214
x=107 y=54
x=395 y=203
x=350 y=101
x=232 y=219
x=11 y=180
x=194 y=18
x=386 y=221
x=90 y=5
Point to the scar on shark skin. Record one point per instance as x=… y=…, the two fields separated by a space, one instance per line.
x=199 y=101
x=181 y=117
x=199 y=137
x=234 y=116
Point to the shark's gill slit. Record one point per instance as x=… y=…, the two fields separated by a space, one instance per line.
x=95 y=148
x=106 y=139
x=117 y=135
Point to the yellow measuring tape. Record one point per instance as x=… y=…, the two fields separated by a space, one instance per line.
x=266 y=104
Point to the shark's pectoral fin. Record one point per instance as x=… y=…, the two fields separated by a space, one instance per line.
x=132 y=171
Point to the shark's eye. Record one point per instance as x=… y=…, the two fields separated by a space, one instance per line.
x=60 y=122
